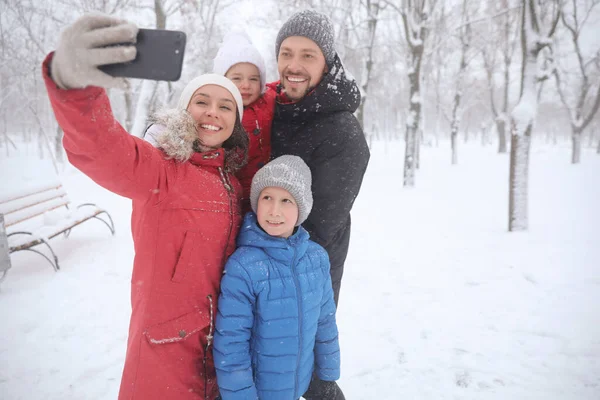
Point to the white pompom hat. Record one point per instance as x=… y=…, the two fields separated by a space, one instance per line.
x=238 y=48
x=210 y=79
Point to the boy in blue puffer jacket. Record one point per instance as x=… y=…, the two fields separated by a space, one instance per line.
x=276 y=321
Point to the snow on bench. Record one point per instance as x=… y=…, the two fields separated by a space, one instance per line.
x=21 y=208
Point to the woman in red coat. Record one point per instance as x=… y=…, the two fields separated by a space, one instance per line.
x=186 y=211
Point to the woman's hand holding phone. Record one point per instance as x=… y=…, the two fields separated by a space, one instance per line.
x=100 y=50
x=89 y=43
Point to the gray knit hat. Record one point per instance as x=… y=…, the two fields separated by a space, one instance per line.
x=290 y=173
x=313 y=25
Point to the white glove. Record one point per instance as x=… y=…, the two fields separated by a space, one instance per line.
x=82 y=48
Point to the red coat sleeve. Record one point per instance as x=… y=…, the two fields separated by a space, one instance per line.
x=101 y=148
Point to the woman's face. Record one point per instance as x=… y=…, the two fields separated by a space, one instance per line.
x=214 y=110
x=247 y=79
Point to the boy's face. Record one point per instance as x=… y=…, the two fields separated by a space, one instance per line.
x=247 y=79
x=301 y=65
x=277 y=212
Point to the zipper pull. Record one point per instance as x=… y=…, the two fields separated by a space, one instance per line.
x=224 y=180
x=256 y=130
x=210 y=336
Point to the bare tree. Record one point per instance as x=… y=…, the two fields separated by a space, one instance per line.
x=583 y=101
x=372 y=8
x=26 y=29
x=536 y=35
x=202 y=24
x=29 y=30
x=415 y=15
x=464 y=36
x=503 y=41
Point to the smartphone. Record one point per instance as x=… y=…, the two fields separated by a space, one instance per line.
x=159 y=56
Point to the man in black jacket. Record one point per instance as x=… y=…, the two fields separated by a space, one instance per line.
x=314 y=119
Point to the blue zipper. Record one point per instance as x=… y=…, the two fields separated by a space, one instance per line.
x=299 y=297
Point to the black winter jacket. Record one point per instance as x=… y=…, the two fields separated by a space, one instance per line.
x=322 y=130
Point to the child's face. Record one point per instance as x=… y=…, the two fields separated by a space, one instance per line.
x=247 y=79
x=277 y=212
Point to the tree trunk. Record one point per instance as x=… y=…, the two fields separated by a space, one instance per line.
x=454 y=143
x=518 y=181
x=483 y=135
x=58 y=147
x=372 y=11
x=592 y=134
x=360 y=113
x=576 y=150
x=454 y=127
x=412 y=130
x=501 y=129
x=40 y=143
x=524 y=114
x=6 y=138
x=409 y=157
x=148 y=89
x=6 y=141
x=128 y=110
x=161 y=16
x=418 y=141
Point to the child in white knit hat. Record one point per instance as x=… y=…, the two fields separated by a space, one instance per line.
x=276 y=324
x=240 y=61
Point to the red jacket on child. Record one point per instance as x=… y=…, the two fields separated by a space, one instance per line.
x=257 y=122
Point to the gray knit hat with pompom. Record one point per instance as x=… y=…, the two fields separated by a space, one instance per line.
x=290 y=173
x=313 y=25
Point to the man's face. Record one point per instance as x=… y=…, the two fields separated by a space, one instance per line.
x=301 y=65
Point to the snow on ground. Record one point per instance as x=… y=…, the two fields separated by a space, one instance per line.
x=438 y=300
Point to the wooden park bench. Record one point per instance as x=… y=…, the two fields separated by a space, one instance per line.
x=32 y=214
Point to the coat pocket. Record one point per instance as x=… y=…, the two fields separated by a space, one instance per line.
x=178 y=329
x=186 y=258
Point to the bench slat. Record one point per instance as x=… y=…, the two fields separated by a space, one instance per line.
x=30 y=200
x=33 y=211
x=24 y=189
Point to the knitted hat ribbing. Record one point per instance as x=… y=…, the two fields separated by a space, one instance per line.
x=290 y=173
x=210 y=79
x=312 y=25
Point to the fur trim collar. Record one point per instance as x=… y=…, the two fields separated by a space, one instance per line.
x=178 y=135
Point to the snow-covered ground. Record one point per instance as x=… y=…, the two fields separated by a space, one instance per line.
x=438 y=300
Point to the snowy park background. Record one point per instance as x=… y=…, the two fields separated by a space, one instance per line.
x=439 y=300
